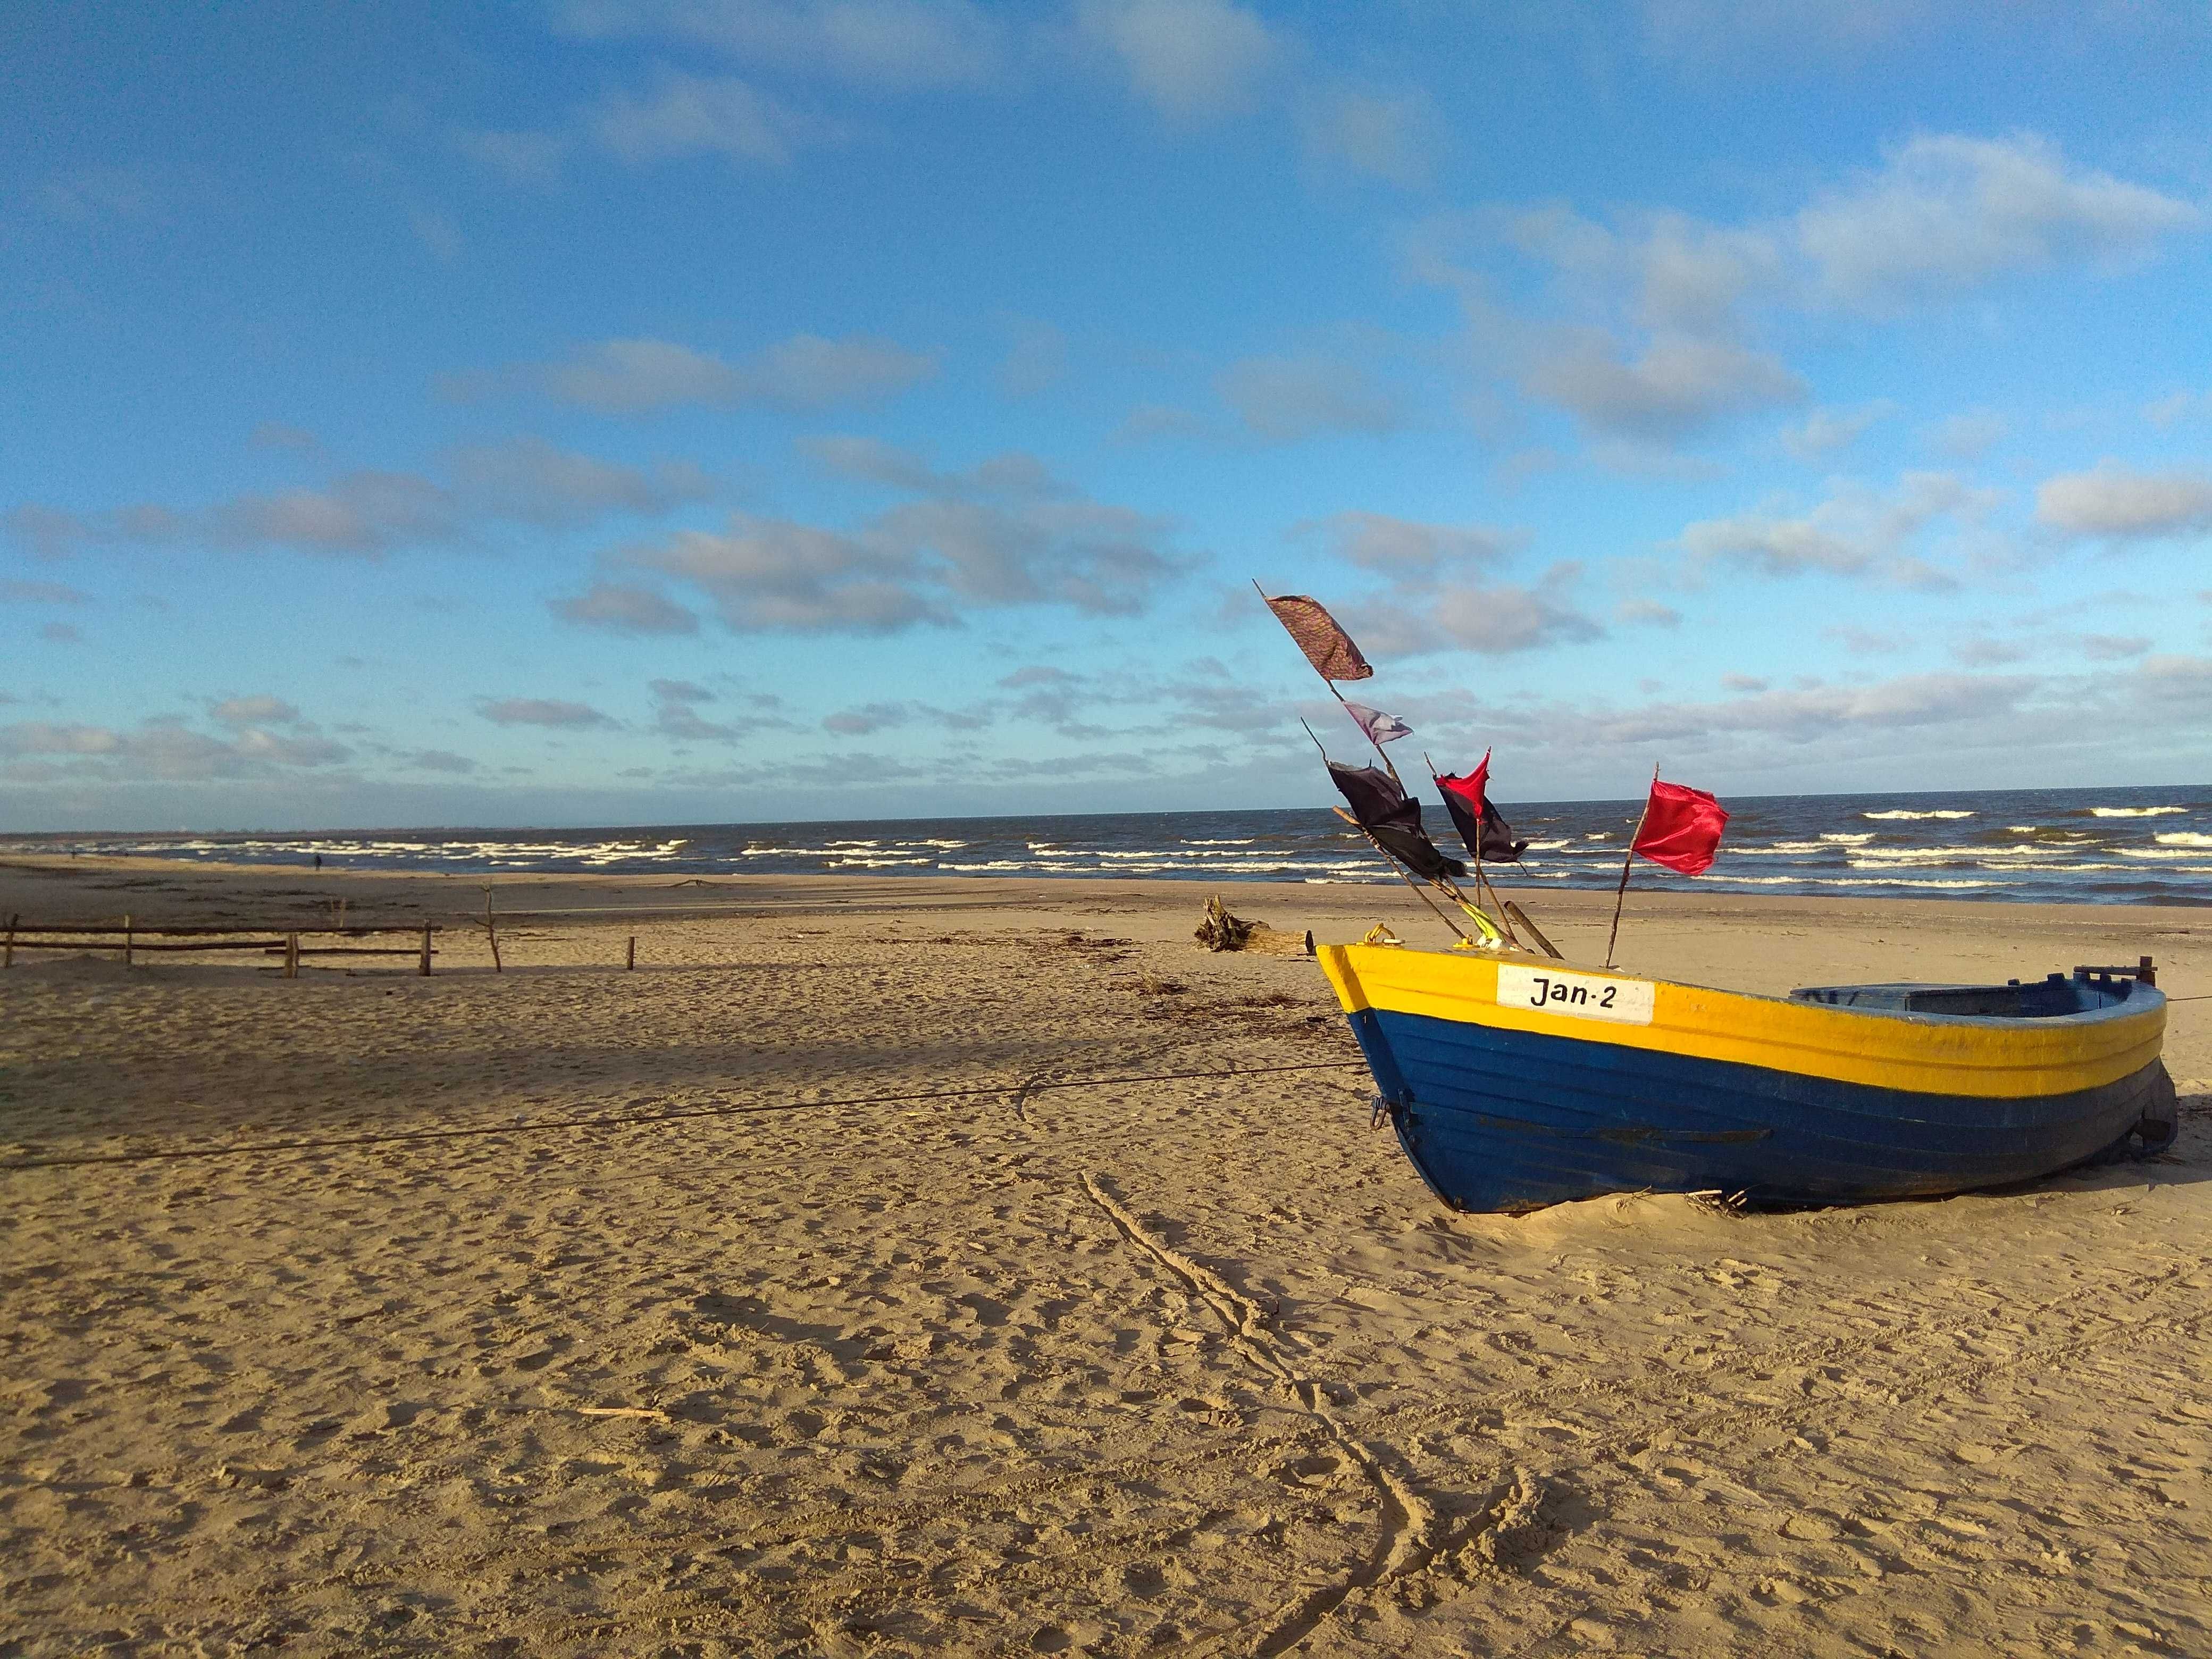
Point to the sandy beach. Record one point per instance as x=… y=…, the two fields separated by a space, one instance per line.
x=907 y=1266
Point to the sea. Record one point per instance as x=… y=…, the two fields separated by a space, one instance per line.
x=2060 y=845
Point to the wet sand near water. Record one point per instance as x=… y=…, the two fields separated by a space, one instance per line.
x=966 y=1266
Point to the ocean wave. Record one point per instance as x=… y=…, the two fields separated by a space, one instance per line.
x=1896 y=813
x=1867 y=857
x=1230 y=842
x=1856 y=839
x=2134 y=811
x=2183 y=838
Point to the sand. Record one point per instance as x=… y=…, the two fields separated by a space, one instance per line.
x=696 y=1309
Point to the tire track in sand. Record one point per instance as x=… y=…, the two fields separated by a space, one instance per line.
x=1407 y=1542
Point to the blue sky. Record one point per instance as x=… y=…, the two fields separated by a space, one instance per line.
x=677 y=410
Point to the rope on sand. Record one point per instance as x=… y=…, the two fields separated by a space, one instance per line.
x=626 y=1119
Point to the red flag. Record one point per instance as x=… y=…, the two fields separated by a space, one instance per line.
x=1681 y=828
x=1474 y=787
x=1326 y=646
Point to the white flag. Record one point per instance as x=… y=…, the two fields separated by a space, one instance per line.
x=1380 y=728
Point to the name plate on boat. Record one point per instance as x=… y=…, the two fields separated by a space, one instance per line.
x=1579 y=996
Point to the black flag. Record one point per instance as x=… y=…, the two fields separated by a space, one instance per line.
x=1486 y=834
x=1394 y=818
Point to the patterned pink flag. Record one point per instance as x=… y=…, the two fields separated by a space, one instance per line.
x=1327 y=647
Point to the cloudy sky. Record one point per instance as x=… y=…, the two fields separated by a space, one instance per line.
x=668 y=410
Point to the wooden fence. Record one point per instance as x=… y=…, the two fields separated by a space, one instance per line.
x=131 y=938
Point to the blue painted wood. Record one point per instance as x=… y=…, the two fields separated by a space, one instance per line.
x=1504 y=1119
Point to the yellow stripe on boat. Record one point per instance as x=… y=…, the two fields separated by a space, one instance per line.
x=1996 y=1058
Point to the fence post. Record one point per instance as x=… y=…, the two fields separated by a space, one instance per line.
x=633 y=951
x=9 y=962
x=491 y=932
x=426 y=950
x=291 y=955
x=126 y=941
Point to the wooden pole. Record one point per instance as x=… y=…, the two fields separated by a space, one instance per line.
x=10 y=959
x=291 y=955
x=426 y=950
x=1481 y=882
x=1628 y=858
x=126 y=941
x=491 y=932
x=632 y=963
x=1338 y=696
x=1458 y=932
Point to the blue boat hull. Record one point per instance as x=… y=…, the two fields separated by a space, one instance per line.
x=1499 y=1119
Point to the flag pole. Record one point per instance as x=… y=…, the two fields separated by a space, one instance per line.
x=1621 y=892
x=1338 y=696
x=1481 y=882
x=1458 y=932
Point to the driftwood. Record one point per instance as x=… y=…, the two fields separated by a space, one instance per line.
x=1220 y=930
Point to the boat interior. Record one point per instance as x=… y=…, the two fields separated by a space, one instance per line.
x=2087 y=990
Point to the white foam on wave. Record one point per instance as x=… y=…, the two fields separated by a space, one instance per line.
x=1855 y=839
x=1229 y=842
x=1873 y=858
x=2134 y=811
x=1899 y=812
x=2183 y=838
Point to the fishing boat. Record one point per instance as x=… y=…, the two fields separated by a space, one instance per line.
x=1517 y=1084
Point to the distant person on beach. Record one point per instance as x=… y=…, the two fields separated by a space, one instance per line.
x=318 y=860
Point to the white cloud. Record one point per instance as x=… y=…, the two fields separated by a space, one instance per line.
x=689 y=115
x=1439 y=595
x=1004 y=532
x=1948 y=212
x=519 y=157
x=368 y=513
x=769 y=575
x=1647 y=326
x=675 y=714
x=1649 y=612
x=624 y=608
x=1749 y=32
x=1289 y=399
x=168 y=749
x=1855 y=531
x=2176 y=406
x=1396 y=136
x=1827 y=430
x=541 y=711
x=2114 y=501
x=805 y=372
x=260 y=710
x=529 y=480
x=893 y=44
x=13 y=591
x=1982 y=652
x=1192 y=60
x=1969 y=436
x=1405 y=549
x=2115 y=647
x=1677 y=386
x=439 y=760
